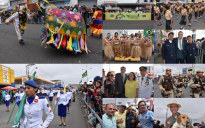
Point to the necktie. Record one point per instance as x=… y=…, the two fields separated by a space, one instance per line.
x=123 y=78
x=180 y=44
x=142 y=80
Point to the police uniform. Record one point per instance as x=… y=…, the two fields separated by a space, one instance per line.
x=145 y=85
x=194 y=82
x=167 y=83
x=50 y=96
x=33 y=111
x=179 y=86
x=191 y=52
x=20 y=96
x=62 y=103
x=168 y=52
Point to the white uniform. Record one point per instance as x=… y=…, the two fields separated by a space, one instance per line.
x=145 y=87
x=16 y=95
x=69 y=95
x=63 y=99
x=34 y=113
x=51 y=94
x=7 y=97
x=15 y=17
x=20 y=95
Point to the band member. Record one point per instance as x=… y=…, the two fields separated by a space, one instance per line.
x=107 y=44
x=147 y=48
x=168 y=17
x=135 y=47
x=116 y=45
x=34 y=108
x=183 y=17
x=125 y=43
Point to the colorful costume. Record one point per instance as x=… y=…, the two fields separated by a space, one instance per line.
x=135 y=48
x=116 y=46
x=125 y=46
x=64 y=30
x=107 y=44
x=147 y=49
x=97 y=24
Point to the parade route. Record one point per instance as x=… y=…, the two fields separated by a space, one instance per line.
x=33 y=52
x=200 y=24
x=73 y=120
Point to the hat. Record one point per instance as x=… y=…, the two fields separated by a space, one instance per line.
x=61 y=87
x=98 y=6
x=24 y=9
x=96 y=78
x=143 y=68
x=173 y=102
x=200 y=71
x=31 y=83
x=21 y=86
x=168 y=69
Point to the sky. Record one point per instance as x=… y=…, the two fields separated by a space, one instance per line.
x=176 y=68
x=3 y=1
x=191 y=107
x=68 y=73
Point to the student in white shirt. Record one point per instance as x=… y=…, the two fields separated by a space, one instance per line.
x=7 y=100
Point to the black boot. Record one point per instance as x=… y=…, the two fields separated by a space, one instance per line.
x=21 y=41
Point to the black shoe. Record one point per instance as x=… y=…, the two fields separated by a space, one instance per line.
x=21 y=41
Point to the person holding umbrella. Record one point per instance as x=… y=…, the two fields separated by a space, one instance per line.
x=7 y=101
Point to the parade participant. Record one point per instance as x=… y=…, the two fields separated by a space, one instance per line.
x=191 y=11
x=168 y=17
x=21 y=93
x=108 y=118
x=146 y=46
x=131 y=86
x=62 y=103
x=196 y=12
x=34 y=108
x=69 y=93
x=166 y=84
x=0 y=18
x=120 y=117
x=125 y=44
x=135 y=47
x=174 y=108
x=50 y=95
x=179 y=85
x=183 y=17
x=196 y=84
x=20 y=19
x=155 y=12
x=145 y=83
x=161 y=9
x=168 y=50
x=178 y=11
x=146 y=117
x=116 y=44
x=7 y=101
x=158 y=16
x=97 y=22
x=108 y=50
x=191 y=51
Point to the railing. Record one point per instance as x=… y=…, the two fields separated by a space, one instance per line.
x=200 y=54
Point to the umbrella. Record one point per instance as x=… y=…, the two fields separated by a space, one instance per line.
x=9 y=88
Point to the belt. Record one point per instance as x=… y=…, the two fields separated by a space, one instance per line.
x=191 y=54
x=169 y=54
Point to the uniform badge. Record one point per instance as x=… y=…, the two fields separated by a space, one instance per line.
x=36 y=100
x=50 y=110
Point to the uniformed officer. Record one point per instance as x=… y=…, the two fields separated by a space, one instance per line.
x=168 y=50
x=191 y=51
x=179 y=85
x=166 y=84
x=196 y=84
x=145 y=84
x=20 y=95
x=34 y=108
x=62 y=103
x=50 y=94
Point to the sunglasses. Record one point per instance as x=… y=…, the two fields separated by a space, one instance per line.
x=110 y=75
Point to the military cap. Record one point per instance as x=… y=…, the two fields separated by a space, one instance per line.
x=168 y=69
x=61 y=87
x=21 y=86
x=143 y=68
x=31 y=83
x=200 y=71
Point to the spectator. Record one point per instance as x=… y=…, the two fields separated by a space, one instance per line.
x=91 y=116
x=131 y=86
x=108 y=118
x=131 y=118
x=75 y=9
x=156 y=125
x=109 y=85
x=120 y=116
x=202 y=124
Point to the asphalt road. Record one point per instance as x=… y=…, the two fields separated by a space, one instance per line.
x=32 y=51
x=186 y=92
x=200 y=24
x=73 y=120
x=128 y=24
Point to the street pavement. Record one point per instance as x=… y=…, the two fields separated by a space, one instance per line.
x=128 y=24
x=73 y=120
x=32 y=51
x=186 y=92
x=200 y=24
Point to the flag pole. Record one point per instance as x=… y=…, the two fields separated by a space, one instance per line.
x=11 y=113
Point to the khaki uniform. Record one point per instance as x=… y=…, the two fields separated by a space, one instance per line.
x=167 y=83
x=194 y=82
x=179 y=87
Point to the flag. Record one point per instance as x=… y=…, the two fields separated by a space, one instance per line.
x=148 y=32
x=84 y=74
x=21 y=107
x=80 y=81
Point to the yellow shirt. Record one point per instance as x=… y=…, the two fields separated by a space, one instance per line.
x=122 y=116
x=130 y=88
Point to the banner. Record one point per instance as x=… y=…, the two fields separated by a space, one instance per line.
x=84 y=74
x=6 y=75
x=127 y=16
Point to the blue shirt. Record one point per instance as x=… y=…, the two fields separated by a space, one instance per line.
x=147 y=119
x=108 y=122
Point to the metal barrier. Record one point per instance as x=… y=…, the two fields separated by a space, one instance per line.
x=200 y=54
